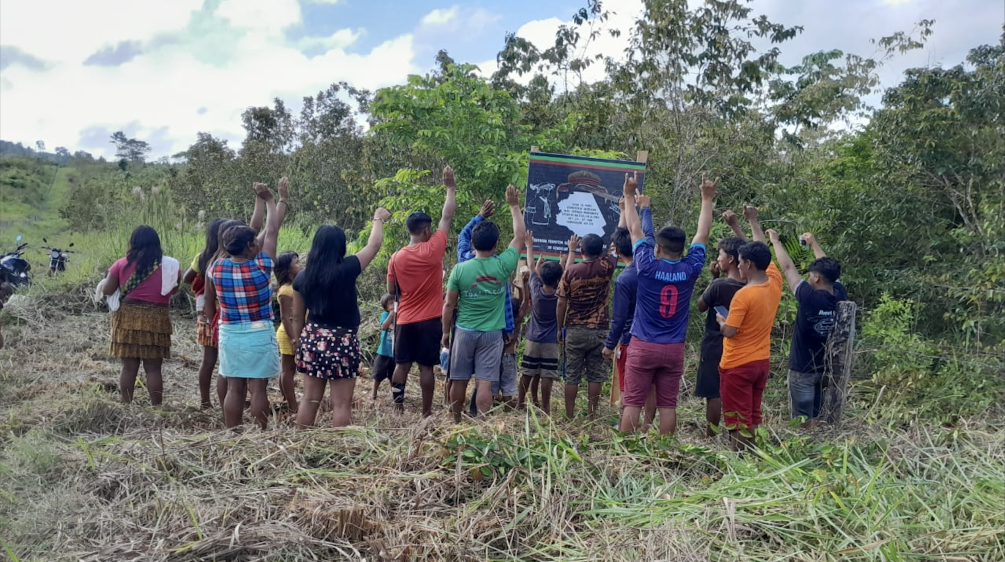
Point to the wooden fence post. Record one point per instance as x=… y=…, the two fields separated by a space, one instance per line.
x=839 y=357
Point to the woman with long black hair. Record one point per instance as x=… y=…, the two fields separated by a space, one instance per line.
x=325 y=304
x=141 y=327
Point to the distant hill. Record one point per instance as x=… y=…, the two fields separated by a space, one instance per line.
x=60 y=156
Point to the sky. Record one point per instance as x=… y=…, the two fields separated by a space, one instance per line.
x=72 y=72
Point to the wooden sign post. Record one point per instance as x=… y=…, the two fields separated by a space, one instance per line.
x=838 y=360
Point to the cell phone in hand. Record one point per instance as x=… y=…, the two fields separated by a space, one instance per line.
x=722 y=311
x=802 y=241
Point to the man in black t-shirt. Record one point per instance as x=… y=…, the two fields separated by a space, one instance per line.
x=725 y=270
x=818 y=296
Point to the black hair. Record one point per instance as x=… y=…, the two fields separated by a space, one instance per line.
x=212 y=245
x=485 y=236
x=322 y=277
x=235 y=239
x=220 y=250
x=144 y=248
x=756 y=253
x=592 y=246
x=551 y=273
x=671 y=239
x=828 y=268
x=622 y=241
x=417 y=222
x=387 y=298
x=281 y=267
x=731 y=246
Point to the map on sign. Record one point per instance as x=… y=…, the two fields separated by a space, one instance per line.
x=569 y=195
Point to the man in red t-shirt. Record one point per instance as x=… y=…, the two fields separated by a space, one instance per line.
x=415 y=276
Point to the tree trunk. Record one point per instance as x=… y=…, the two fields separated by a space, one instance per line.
x=839 y=360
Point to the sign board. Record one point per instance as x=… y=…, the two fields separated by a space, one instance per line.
x=569 y=195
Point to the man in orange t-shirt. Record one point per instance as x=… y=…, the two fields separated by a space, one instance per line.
x=415 y=277
x=746 y=347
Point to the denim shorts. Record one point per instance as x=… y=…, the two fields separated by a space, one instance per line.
x=249 y=350
x=805 y=394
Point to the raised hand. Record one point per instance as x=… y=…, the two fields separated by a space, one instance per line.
x=488 y=208
x=772 y=235
x=528 y=239
x=644 y=201
x=448 y=177
x=708 y=187
x=808 y=238
x=381 y=214
x=621 y=204
x=540 y=262
x=263 y=191
x=631 y=184
x=749 y=212
x=512 y=195
x=573 y=244
x=284 y=188
x=730 y=218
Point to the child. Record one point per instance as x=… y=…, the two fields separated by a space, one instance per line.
x=383 y=361
x=540 y=355
x=507 y=385
x=203 y=327
x=286 y=268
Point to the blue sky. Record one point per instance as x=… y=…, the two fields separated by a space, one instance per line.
x=74 y=71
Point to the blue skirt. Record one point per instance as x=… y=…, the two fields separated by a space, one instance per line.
x=249 y=350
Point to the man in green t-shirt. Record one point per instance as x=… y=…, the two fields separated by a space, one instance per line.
x=477 y=290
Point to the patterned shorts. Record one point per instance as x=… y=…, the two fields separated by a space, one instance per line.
x=328 y=353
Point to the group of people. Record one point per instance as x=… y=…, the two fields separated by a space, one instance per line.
x=474 y=326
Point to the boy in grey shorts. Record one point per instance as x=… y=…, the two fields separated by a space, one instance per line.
x=541 y=352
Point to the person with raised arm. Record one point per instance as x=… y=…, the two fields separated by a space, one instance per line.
x=415 y=277
x=477 y=290
x=725 y=283
x=746 y=347
x=583 y=315
x=240 y=285
x=666 y=277
x=465 y=252
x=818 y=296
x=623 y=310
x=541 y=352
x=325 y=305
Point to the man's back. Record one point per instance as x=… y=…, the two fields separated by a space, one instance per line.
x=587 y=285
x=814 y=324
x=664 y=293
x=752 y=313
x=418 y=271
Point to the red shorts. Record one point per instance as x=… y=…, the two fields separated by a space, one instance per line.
x=622 y=362
x=741 y=389
x=661 y=364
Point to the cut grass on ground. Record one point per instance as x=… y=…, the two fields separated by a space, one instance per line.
x=83 y=477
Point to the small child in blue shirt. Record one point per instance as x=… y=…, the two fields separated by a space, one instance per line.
x=383 y=361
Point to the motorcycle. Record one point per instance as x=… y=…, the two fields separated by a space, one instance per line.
x=13 y=267
x=57 y=258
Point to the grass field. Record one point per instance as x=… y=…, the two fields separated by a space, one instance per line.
x=83 y=477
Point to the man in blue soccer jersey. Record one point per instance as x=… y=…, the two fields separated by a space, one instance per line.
x=666 y=279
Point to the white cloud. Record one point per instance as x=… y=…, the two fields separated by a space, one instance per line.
x=441 y=16
x=71 y=31
x=266 y=16
x=339 y=40
x=176 y=88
